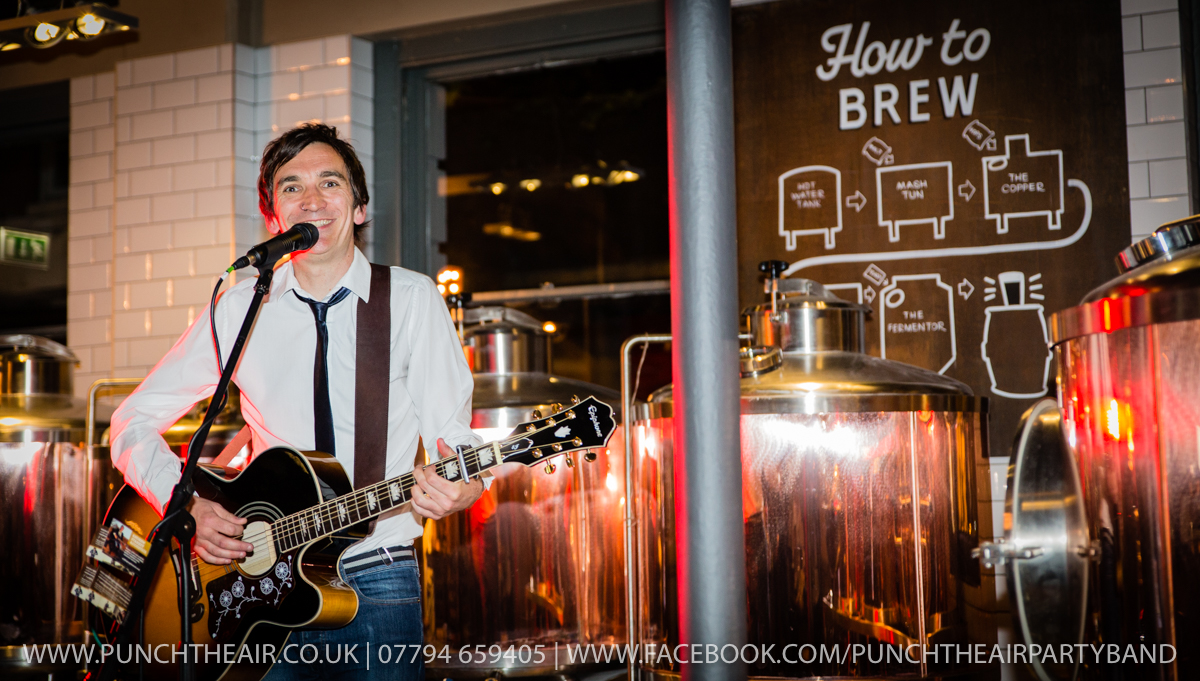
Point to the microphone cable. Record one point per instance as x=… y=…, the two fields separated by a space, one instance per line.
x=212 y=326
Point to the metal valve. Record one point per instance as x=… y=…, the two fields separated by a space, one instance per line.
x=549 y=467
x=1091 y=551
x=773 y=269
x=991 y=554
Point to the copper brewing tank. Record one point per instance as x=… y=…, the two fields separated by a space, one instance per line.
x=859 y=501
x=538 y=560
x=1129 y=405
x=44 y=472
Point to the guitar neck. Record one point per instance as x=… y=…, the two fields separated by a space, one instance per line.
x=529 y=444
x=365 y=504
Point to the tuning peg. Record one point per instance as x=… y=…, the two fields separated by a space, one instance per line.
x=570 y=462
x=556 y=407
x=589 y=456
x=577 y=442
x=574 y=399
x=537 y=413
x=549 y=467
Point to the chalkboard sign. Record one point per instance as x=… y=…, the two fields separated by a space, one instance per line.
x=959 y=167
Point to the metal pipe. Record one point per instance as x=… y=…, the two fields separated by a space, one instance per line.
x=708 y=484
x=623 y=289
x=91 y=407
x=631 y=579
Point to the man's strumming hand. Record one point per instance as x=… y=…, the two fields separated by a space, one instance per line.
x=436 y=497
x=216 y=533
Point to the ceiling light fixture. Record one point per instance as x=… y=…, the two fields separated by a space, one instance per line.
x=47 y=29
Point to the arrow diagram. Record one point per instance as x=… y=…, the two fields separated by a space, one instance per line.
x=965 y=289
x=856 y=202
x=966 y=190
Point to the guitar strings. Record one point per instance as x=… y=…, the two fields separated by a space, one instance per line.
x=289 y=527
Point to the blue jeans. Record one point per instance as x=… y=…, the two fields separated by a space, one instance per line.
x=389 y=614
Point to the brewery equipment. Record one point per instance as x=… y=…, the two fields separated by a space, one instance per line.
x=858 y=495
x=1129 y=395
x=538 y=560
x=1046 y=547
x=44 y=470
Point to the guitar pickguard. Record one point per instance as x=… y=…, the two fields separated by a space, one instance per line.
x=234 y=595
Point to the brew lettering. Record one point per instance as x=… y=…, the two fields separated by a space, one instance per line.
x=956 y=94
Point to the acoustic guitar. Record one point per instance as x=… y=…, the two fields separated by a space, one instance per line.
x=302 y=515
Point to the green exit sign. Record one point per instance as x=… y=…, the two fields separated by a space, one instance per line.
x=24 y=248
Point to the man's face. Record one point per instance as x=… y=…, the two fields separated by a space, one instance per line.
x=314 y=187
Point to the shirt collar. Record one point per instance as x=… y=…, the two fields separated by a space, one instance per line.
x=357 y=279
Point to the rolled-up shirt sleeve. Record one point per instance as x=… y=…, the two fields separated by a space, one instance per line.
x=184 y=376
x=439 y=379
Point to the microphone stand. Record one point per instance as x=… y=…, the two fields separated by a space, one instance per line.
x=177 y=523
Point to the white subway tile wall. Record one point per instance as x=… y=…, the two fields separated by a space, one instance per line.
x=171 y=139
x=328 y=80
x=90 y=230
x=1158 y=175
x=164 y=166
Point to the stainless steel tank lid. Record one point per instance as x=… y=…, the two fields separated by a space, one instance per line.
x=504 y=400
x=485 y=318
x=827 y=382
x=801 y=315
x=36 y=346
x=1166 y=241
x=45 y=418
x=797 y=292
x=1166 y=288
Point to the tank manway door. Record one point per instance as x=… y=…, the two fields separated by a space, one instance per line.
x=1046 y=546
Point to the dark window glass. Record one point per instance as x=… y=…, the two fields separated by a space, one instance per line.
x=559 y=175
x=33 y=199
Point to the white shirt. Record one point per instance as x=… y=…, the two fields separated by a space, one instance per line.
x=429 y=396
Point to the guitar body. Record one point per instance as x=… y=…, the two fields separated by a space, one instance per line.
x=302 y=515
x=255 y=602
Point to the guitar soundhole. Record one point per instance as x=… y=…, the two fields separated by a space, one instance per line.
x=231 y=598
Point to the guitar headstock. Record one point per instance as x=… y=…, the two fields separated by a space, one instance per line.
x=586 y=424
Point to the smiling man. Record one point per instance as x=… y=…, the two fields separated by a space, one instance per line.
x=299 y=382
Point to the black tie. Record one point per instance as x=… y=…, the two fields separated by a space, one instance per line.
x=322 y=410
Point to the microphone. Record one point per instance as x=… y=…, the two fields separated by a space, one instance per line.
x=299 y=238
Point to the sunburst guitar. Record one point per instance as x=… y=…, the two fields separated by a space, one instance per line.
x=302 y=515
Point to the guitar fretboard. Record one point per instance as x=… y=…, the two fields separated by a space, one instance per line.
x=324 y=519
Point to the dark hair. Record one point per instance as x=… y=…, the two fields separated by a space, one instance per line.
x=284 y=148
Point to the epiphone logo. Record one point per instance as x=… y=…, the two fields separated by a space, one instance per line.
x=595 y=420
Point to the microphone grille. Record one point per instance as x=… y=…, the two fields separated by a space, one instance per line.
x=309 y=236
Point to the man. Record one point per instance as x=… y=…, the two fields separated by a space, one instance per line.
x=309 y=175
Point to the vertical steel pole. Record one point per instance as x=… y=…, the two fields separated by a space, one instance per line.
x=708 y=483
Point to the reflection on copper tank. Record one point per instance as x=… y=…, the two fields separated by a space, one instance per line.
x=858 y=494
x=539 y=559
x=1129 y=394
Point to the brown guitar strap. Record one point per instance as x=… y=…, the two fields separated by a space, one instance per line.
x=372 y=371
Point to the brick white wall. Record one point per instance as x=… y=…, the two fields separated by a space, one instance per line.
x=1158 y=173
x=89 y=228
x=165 y=153
x=174 y=197
x=328 y=80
